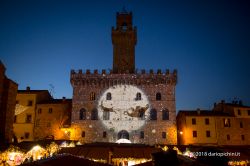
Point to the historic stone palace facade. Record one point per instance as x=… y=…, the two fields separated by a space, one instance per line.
x=124 y=104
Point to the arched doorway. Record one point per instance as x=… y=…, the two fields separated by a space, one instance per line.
x=123 y=134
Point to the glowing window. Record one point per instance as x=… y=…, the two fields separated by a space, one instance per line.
x=92 y=96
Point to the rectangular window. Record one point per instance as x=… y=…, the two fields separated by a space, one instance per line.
x=106 y=115
x=193 y=121
x=207 y=121
x=165 y=114
x=241 y=124
x=48 y=124
x=15 y=117
x=248 y=112
x=50 y=110
x=30 y=103
x=208 y=134
x=141 y=134
x=38 y=122
x=26 y=135
x=228 y=137
x=104 y=134
x=194 y=134
x=242 y=137
x=164 y=135
x=83 y=134
x=28 y=118
x=239 y=112
x=227 y=122
x=39 y=111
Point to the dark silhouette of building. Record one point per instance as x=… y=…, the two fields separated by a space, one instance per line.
x=8 y=91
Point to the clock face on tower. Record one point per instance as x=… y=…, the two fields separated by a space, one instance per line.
x=123 y=107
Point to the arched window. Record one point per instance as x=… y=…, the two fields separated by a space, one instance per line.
x=92 y=96
x=165 y=114
x=138 y=96
x=82 y=115
x=123 y=134
x=106 y=115
x=158 y=96
x=141 y=134
x=108 y=96
x=141 y=114
x=94 y=114
x=153 y=114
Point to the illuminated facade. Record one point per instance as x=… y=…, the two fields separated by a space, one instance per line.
x=124 y=103
x=8 y=91
x=24 y=119
x=226 y=124
x=51 y=118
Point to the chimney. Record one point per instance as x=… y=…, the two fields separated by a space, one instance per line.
x=28 y=88
x=63 y=98
x=198 y=111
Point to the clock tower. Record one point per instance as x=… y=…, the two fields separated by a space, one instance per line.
x=124 y=39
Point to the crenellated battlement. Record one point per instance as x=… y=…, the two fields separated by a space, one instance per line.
x=107 y=77
x=110 y=71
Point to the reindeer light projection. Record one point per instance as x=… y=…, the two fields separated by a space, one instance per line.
x=119 y=109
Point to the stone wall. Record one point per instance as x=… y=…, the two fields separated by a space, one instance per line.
x=148 y=84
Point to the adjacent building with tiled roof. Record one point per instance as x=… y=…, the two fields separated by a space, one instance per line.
x=225 y=124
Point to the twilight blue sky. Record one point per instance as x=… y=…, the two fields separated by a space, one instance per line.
x=208 y=42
